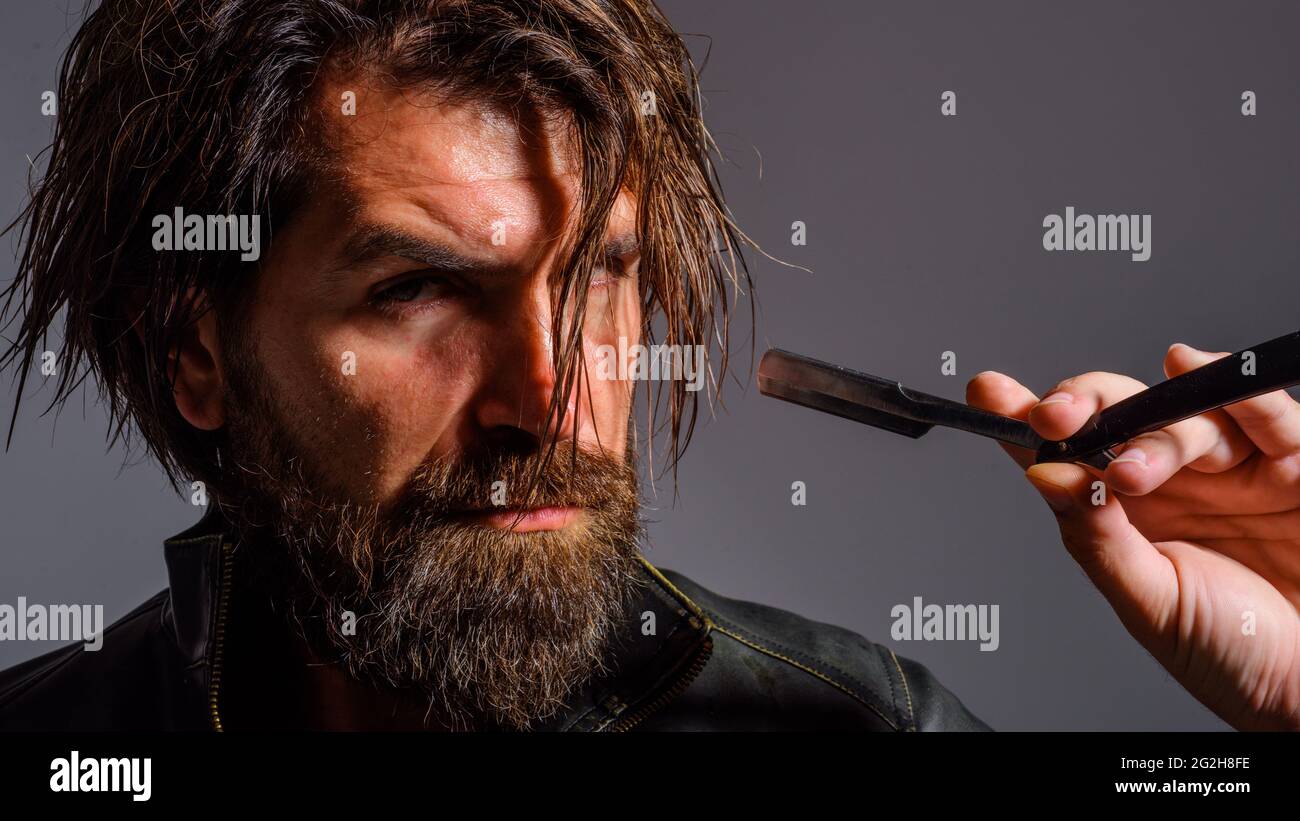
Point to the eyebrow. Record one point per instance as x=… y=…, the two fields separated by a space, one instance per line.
x=370 y=242
x=623 y=245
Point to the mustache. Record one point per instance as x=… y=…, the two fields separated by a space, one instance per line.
x=507 y=479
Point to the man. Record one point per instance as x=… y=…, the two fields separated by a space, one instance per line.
x=394 y=385
x=423 y=506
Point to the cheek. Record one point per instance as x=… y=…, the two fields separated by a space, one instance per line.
x=614 y=326
x=614 y=312
x=607 y=399
x=378 y=410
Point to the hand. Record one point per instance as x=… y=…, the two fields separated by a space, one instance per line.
x=1197 y=545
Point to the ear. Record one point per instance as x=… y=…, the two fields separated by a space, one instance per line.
x=200 y=381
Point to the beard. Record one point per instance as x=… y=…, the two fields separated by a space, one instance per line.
x=495 y=628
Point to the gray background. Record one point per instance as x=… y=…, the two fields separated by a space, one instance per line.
x=924 y=235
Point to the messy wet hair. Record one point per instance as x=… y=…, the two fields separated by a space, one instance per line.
x=207 y=105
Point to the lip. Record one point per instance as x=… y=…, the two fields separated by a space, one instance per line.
x=555 y=517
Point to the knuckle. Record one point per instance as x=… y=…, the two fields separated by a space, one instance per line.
x=1275 y=412
x=1264 y=413
x=1065 y=384
x=1285 y=471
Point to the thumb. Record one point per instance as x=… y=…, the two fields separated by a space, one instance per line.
x=1137 y=580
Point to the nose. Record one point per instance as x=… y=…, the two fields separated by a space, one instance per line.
x=514 y=401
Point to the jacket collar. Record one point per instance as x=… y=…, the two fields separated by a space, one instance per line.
x=663 y=642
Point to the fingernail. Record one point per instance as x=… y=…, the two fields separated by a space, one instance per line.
x=1058 y=398
x=1135 y=455
x=1057 y=497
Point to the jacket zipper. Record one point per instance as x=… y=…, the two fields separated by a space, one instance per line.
x=678 y=687
x=219 y=640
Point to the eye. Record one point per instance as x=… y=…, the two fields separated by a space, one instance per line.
x=417 y=289
x=612 y=269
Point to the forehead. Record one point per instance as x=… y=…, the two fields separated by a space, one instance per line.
x=465 y=164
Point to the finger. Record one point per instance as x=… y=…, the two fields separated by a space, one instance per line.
x=1073 y=401
x=1232 y=446
x=1146 y=462
x=1271 y=420
x=999 y=393
x=1138 y=581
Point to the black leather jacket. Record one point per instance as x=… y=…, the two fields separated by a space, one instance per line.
x=712 y=663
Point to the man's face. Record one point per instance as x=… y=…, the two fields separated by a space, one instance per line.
x=387 y=397
x=437 y=339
